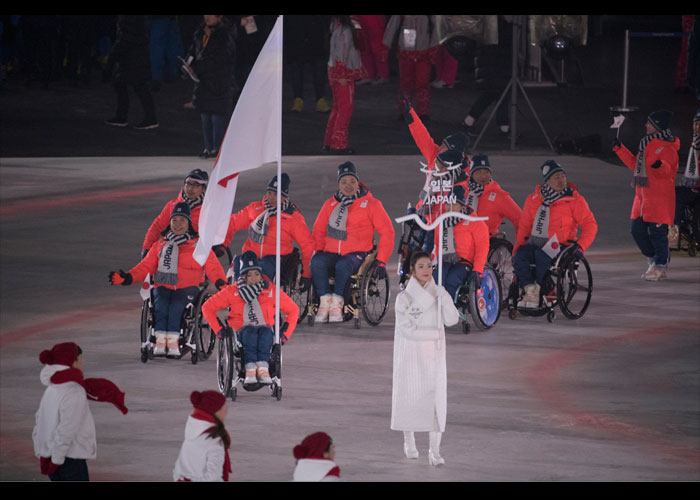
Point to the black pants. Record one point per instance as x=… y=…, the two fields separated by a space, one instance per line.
x=73 y=469
x=143 y=92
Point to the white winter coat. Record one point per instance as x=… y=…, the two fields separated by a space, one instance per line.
x=201 y=457
x=419 y=393
x=64 y=425
x=314 y=469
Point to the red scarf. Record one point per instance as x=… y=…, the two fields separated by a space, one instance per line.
x=207 y=417
x=97 y=389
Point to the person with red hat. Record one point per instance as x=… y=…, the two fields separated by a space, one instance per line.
x=204 y=453
x=655 y=166
x=176 y=276
x=64 y=434
x=315 y=459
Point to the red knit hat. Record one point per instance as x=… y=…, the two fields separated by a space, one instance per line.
x=207 y=401
x=313 y=446
x=61 y=354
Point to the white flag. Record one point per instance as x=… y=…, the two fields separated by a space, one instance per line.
x=253 y=138
x=617 y=121
x=552 y=247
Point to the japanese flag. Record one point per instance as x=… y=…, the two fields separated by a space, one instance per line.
x=617 y=121
x=146 y=288
x=552 y=247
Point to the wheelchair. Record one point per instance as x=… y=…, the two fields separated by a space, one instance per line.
x=689 y=225
x=364 y=292
x=500 y=258
x=196 y=336
x=483 y=303
x=230 y=367
x=568 y=284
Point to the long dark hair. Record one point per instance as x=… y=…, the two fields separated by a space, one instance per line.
x=417 y=255
x=219 y=431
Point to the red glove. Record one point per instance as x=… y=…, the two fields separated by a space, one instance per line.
x=47 y=466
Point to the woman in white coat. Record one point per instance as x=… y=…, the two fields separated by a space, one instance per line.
x=419 y=393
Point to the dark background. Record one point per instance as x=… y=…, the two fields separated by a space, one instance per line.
x=64 y=116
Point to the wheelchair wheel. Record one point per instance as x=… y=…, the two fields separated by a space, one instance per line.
x=290 y=283
x=374 y=296
x=225 y=365
x=500 y=257
x=203 y=335
x=574 y=287
x=146 y=329
x=485 y=303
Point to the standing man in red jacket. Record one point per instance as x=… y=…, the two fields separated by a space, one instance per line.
x=655 y=166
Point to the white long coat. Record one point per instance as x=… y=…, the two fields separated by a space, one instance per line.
x=419 y=393
x=201 y=458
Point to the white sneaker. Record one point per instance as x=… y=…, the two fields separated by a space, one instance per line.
x=250 y=374
x=323 y=309
x=159 y=348
x=336 y=309
x=531 y=297
x=655 y=274
x=173 y=343
x=263 y=373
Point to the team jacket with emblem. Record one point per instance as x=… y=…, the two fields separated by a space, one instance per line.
x=472 y=242
x=565 y=216
x=656 y=202
x=293 y=227
x=229 y=297
x=496 y=203
x=189 y=272
x=163 y=220
x=365 y=215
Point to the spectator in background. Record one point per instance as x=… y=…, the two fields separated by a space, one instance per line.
x=252 y=34
x=306 y=44
x=213 y=54
x=130 y=64
x=166 y=47
x=369 y=43
x=445 y=69
x=417 y=45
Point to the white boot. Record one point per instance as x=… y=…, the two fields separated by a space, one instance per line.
x=159 y=349
x=434 y=457
x=323 y=308
x=263 y=372
x=173 y=342
x=531 y=296
x=250 y=374
x=409 y=445
x=336 y=309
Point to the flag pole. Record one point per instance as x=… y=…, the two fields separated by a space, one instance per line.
x=279 y=199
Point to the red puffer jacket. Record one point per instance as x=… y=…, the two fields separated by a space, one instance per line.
x=163 y=220
x=472 y=242
x=496 y=203
x=293 y=227
x=656 y=202
x=565 y=216
x=365 y=216
x=228 y=297
x=189 y=272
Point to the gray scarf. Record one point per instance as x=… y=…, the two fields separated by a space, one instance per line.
x=252 y=312
x=339 y=216
x=690 y=176
x=260 y=226
x=539 y=235
x=448 y=241
x=166 y=273
x=193 y=202
x=640 y=170
x=475 y=192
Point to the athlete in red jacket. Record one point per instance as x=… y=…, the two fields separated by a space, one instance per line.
x=176 y=276
x=191 y=193
x=550 y=219
x=259 y=219
x=487 y=198
x=343 y=236
x=655 y=166
x=251 y=301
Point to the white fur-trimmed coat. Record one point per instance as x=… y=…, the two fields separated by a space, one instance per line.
x=419 y=393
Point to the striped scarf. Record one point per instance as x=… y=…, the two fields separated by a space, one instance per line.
x=193 y=202
x=540 y=226
x=252 y=312
x=260 y=226
x=690 y=176
x=640 y=170
x=449 y=243
x=168 y=258
x=338 y=220
x=475 y=192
